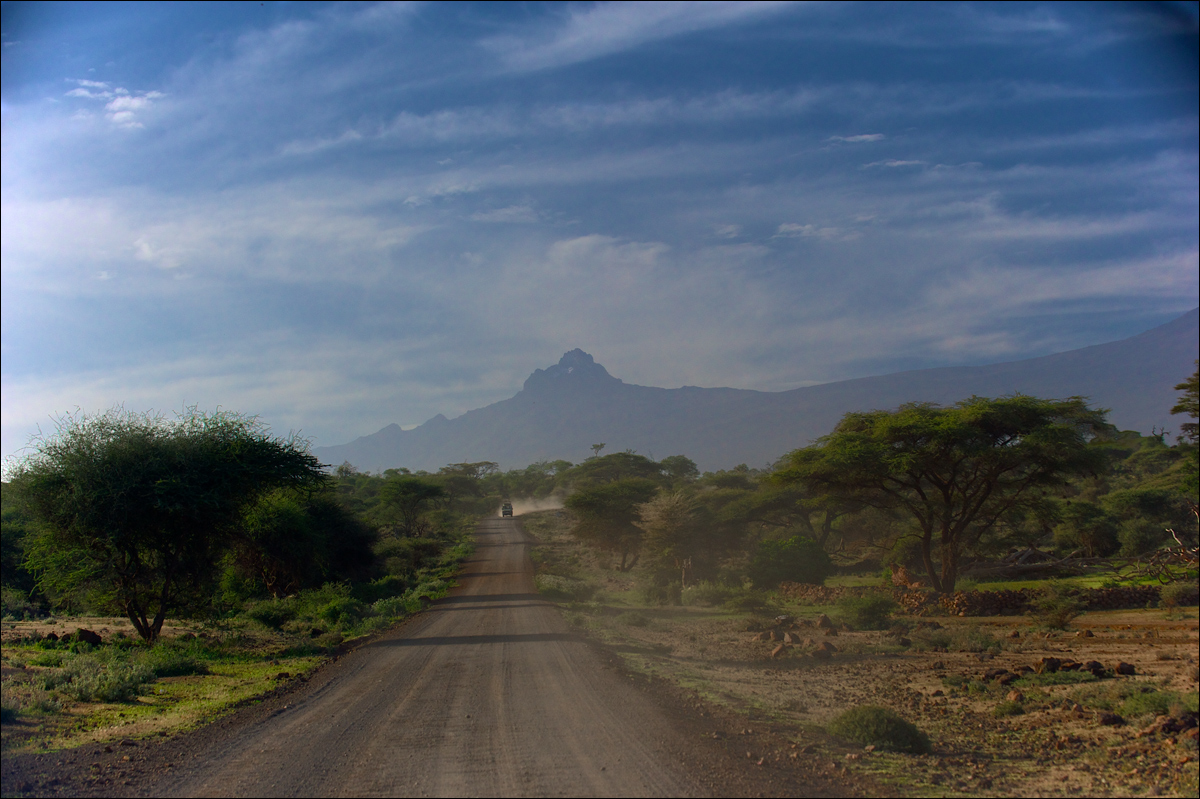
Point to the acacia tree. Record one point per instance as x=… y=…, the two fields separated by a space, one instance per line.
x=409 y=497
x=607 y=515
x=135 y=510
x=955 y=470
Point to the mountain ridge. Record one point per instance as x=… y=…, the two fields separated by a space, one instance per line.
x=563 y=409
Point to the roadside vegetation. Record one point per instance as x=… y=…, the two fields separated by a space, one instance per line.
x=157 y=572
x=1029 y=629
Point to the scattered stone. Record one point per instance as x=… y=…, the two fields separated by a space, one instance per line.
x=830 y=630
x=904 y=641
x=1095 y=667
x=938 y=692
x=187 y=637
x=1046 y=665
x=822 y=654
x=1110 y=720
x=791 y=638
x=937 y=664
x=763 y=636
x=1014 y=634
x=52 y=636
x=779 y=650
x=773 y=636
x=1015 y=696
x=784 y=621
x=1126 y=669
x=1085 y=634
x=283 y=675
x=869 y=748
x=824 y=622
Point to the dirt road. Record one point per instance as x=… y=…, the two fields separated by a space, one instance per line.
x=486 y=694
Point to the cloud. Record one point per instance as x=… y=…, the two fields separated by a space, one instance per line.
x=859 y=138
x=123 y=106
x=791 y=230
x=512 y=214
x=727 y=231
x=893 y=163
x=606 y=28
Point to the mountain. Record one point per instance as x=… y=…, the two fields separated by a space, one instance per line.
x=561 y=411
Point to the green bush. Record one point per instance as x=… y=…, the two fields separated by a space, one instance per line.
x=171 y=661
x=1055 y=678
x=273 y=613
x=564 y=589
x=1183 y=593
x=880 y=727
x=706 y=594
x=867 y=612
x=1151 y=702
x=1008 y=708
x=87 y=679
x=1057 y=606
x=797 y=559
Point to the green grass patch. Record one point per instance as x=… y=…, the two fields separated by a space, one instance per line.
x=1055 y=678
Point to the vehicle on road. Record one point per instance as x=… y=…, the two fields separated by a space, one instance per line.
x=506 y=509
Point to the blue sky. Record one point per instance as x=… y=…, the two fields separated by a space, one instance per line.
x=343 y=216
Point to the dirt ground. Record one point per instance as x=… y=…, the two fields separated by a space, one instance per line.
x=1031 y=737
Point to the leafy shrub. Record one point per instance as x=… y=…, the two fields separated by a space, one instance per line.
x=273 y=613
x=1055 y=678
x=1057 y=606
x=932 y=640
x=1149 y=701
x=658 y=592
x=745 y=601
x=564 y=589
x=48 y=659
x=798 y=559
x=706 y=594
x=1183 y=593
x=15 y=604
x=87 y=679
x=880 y=727
x=171 y=661
x=1008 y=708
x=867 y=612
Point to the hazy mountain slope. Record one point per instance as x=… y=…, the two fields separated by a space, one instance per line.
x=564 y=409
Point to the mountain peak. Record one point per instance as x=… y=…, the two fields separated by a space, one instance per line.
x=573 y=368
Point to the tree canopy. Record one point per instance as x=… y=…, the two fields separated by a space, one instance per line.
x=134 y=509
x=955 y=471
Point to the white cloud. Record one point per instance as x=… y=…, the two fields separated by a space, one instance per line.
x=862 y=137
x=791 y=230
x=512 y=214
x=605 y=28
x=893 y=163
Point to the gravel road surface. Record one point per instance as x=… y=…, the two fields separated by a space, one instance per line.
x=488 y=693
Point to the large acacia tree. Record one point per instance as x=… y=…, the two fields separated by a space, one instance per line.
x=955 y=470
x=135 y=510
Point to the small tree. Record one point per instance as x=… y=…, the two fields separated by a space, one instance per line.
x=409 y=497
x=607 y=515
x=135 y=510
x=1189 y=404
x=956 y=471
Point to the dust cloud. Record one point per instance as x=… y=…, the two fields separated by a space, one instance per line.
x=530 y=505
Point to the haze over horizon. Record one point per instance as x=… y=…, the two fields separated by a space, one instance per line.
x=341 y=216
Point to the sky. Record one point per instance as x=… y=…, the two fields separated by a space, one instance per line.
x=338 y=217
